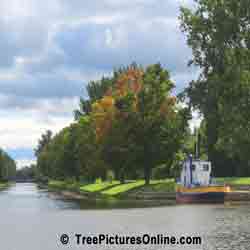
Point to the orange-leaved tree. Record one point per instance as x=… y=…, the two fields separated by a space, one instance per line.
x=138 y=121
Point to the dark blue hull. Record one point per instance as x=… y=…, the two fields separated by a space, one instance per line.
x=206 y=197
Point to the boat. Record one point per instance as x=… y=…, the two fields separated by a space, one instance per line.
x=196 y=185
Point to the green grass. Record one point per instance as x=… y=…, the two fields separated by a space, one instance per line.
x=124 y=187
x=57 y=184
x=4 y=185
x=75 y=186
x=119 y=189
x=164 y=186
x=234 y=180
x=114 y=188
x=97 y=187
x=64 y=185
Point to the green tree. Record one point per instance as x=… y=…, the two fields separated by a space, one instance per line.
x=132 y=127
x=26 y=173
x=219 y=33
x=43 y=142
x=7 y=166
x=119 y=150
x=72 y=154
x=160 y=133
x=95 y=91
x=140 y=121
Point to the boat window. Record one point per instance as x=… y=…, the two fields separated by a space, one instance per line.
x=193 y=167
x=206 y=167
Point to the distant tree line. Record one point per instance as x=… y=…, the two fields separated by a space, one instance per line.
x=7 y=167
x=26 y=173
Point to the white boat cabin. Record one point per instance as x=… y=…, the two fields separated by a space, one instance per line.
x=195 y=173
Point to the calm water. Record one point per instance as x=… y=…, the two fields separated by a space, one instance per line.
x=33 y=219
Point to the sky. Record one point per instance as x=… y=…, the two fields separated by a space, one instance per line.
x=51 y=49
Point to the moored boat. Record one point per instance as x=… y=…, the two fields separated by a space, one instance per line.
x=195 y=185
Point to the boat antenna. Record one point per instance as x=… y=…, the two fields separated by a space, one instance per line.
x=190 y=168
x=197 y=144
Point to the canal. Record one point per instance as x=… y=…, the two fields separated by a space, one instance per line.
x=34 y=219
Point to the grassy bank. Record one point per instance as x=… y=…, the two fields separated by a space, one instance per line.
x=155 y=185
x=99 y=186
x=4 y=185
x=114 y=188
x=63 y=185
x=234 y=180
x=117 y=189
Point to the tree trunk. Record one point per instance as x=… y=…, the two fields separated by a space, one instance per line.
x=122 y=176
x=116 y=174
x=212 y=137
x=147 y=173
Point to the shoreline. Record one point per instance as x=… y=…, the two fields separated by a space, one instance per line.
x=239 y=193
x=4 y=185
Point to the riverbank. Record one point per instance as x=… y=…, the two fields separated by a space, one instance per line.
x=115 y=194
x=112 y=189
x=158 y=190
x=4 y=185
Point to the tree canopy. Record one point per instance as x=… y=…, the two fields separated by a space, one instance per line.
x=219 y=33
x=132 y=124
x=7 y=166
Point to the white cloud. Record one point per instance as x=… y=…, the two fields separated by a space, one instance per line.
x=196 y=120
x=23 y=128
x=24 y=162
x=50 y=49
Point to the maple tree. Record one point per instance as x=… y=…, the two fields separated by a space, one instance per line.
x=135 y=113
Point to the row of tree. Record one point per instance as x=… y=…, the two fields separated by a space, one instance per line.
x=7 y=167
x=26 y=173
x=129 y=126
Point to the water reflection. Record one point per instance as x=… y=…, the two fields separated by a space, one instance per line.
x=113 y=203
x=26 y=197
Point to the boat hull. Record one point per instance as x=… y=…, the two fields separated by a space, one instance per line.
x=201 y=195
x=209 y=197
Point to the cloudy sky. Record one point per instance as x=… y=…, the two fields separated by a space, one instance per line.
x=51 y=49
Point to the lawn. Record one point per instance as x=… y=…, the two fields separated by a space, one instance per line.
x=57 y=184
x=115 y=188
x=119 y=189
x=164 y=186
x=234 y=180
x=99 y=186
x=3 y=185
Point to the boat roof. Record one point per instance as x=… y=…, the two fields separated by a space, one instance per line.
x=199 y=160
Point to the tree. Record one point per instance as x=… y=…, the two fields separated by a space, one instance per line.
x=7 y=166
x=130 y=128
x=72 y=154
x=139 y=122
x=26 y=173
x=95 y=90
x=161 y=124
x=219 y=33
x=43 y=142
